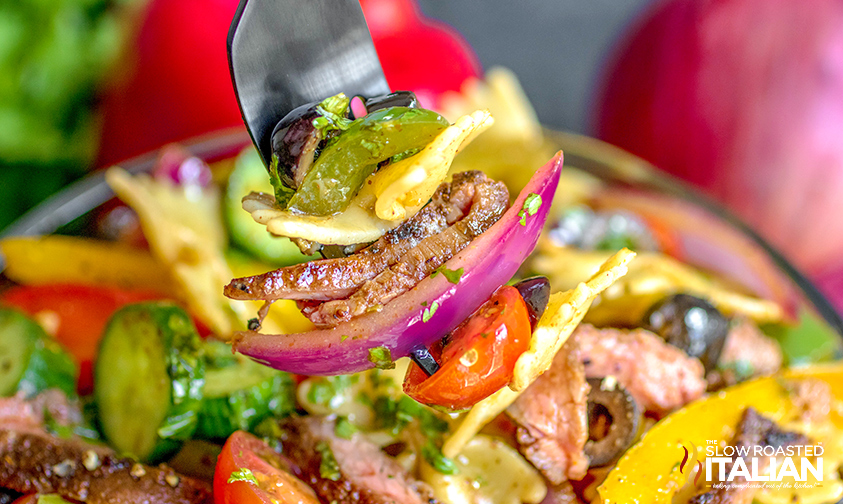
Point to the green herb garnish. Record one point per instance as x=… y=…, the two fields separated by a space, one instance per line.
x=452 y=276
x=433 y=455
x=344 y=428
x=428 y=312
x=325 y=390
x=328 y=467
x=332 y=114
x=530 y=207
x=244 y=474
x=381 y=357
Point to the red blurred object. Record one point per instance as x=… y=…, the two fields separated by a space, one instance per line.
x=743 y=98
x=176 y=83
x=418 y=53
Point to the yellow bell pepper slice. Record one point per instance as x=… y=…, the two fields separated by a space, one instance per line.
x=649 y=472
x=31 y=260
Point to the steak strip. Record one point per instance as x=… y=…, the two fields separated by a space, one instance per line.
x=488 y=200
x=32 y=460
x=552 y=418
x=326 y=279
x=659 y=376
x=366 y=474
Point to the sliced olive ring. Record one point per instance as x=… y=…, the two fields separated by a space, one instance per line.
x=613 y=421
x=424 y=359
x=397 y=99
x=536 y=293
x=691 y=324
x=294 y=143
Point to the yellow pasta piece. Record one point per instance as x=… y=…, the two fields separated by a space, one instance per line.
x=69 y=259
x=651 y=277
x=404 y=187
x=185 y=233
x=489 y=471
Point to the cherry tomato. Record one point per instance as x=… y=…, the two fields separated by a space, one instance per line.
x=257 y=474
x=478 y=357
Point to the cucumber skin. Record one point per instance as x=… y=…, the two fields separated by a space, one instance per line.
x=48 y=364
x=185 y=366
x=246 y=408
x=240 y=393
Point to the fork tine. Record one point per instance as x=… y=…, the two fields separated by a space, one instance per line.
x=285 y=53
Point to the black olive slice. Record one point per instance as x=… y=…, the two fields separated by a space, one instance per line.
x=536 y=293
x=397 y=99
x=613 y=420
x=424 y=359
x=691 y=324
x=295 y=141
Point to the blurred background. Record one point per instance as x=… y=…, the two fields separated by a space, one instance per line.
x=743 y=98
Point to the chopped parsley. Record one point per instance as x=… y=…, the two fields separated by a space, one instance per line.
x=328 y=467
x=328 y=390
x=427 y=314
x=433 y=455
x=452 y=276
x=530 y=207
x=405 y=154
x=244 y=474
x=344 y=428
x=394 y=415
x=381 y=357
x=332 y=114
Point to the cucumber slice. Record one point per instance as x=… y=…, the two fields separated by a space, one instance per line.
x=149 y=379
x=250 y=175
x=240 y=393
x=30 y=360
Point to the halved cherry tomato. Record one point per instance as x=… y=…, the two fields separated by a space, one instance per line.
x=478 y=357
x=259 y=475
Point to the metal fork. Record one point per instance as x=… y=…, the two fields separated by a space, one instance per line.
x=286 y=53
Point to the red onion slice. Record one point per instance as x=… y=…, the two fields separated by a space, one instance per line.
x=488 y=262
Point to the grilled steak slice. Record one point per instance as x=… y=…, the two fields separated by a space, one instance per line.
x=365 y=474
x=39 y=462
x=659 y=376
x=552 y=418
x=33 y=460
x=337 y=278
x=488 y=199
